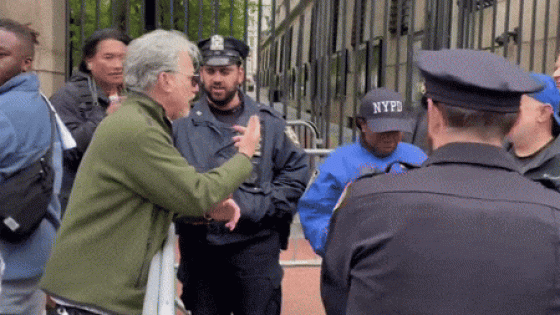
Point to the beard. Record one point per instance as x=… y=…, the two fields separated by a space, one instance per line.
x=223 y=101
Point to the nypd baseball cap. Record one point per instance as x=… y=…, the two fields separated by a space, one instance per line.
x=383 y=110
x=549 y=95
x=222 y=51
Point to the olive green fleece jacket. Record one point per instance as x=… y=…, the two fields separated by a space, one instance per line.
x=129 y=186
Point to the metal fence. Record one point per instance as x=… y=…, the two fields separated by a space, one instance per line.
x=319 y=57
x=198 y=19
x=324 y=55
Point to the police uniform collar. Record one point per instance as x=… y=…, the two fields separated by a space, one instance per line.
x=227 y=112
x=461 y=153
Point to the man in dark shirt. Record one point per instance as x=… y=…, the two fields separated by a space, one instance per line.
x=464 y=234
x=534 y=140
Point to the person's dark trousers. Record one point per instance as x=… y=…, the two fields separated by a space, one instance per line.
x=243 y=278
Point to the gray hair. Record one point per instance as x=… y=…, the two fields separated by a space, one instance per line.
x=154 y=53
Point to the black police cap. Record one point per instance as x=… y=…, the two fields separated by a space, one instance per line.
x=473 y=79
x=222 y=51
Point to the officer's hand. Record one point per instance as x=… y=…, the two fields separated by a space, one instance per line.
x=226 y=211
x=251 y=135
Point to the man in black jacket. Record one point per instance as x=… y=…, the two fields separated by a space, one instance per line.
x=534 y=138
x=239 y=271
x=464 y=234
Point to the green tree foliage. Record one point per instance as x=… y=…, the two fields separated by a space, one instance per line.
x=129 y=15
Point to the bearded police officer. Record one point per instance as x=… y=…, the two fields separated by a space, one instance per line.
x=239 y=271
x=464 y=234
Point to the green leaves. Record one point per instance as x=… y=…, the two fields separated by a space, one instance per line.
x=198 y=18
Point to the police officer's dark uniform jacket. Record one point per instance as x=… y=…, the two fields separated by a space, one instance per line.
x=267 y=201
x=238 y=271
x=466 y=233
x=280 y=173
x=454 y=225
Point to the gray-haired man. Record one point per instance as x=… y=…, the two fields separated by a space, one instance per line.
x=132 y=182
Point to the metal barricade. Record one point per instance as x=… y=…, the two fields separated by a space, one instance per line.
x=307 y=133
x=160 y=298
x=308 y=136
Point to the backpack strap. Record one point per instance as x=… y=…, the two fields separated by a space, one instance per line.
x=49 y=154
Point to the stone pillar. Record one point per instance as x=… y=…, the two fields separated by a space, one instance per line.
x=48 y=17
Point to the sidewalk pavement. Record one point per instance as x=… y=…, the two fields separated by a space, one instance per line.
x=300 y=286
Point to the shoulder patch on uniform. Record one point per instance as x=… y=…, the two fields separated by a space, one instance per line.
x=291 y=134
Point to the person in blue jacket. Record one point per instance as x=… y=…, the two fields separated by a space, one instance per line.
x=25 y=136
x=382 y=120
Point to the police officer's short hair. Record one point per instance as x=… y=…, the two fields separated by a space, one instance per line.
x=484 y=124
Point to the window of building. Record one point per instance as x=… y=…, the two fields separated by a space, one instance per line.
x=335 y=18
x=399 y=16
x=358 y=23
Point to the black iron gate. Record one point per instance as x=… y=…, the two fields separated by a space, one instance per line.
x=316 y=58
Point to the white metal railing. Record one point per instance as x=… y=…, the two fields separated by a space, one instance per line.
x=162 y=284
x=308 y=127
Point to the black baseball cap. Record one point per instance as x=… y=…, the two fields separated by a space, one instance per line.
x=383 y=110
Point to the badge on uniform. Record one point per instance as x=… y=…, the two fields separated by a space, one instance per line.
x=258 y=148
x=217 y=42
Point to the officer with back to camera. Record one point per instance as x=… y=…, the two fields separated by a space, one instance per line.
x=240 y=270
x=464 y=234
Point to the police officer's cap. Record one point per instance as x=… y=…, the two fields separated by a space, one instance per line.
x=222 y=51
x=474 y=80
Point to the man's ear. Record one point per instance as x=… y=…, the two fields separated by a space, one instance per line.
x=360 y=123
x=165 y=81
x=546 y=113
x=241 y=74
x=436 y=123
x=27 y=64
